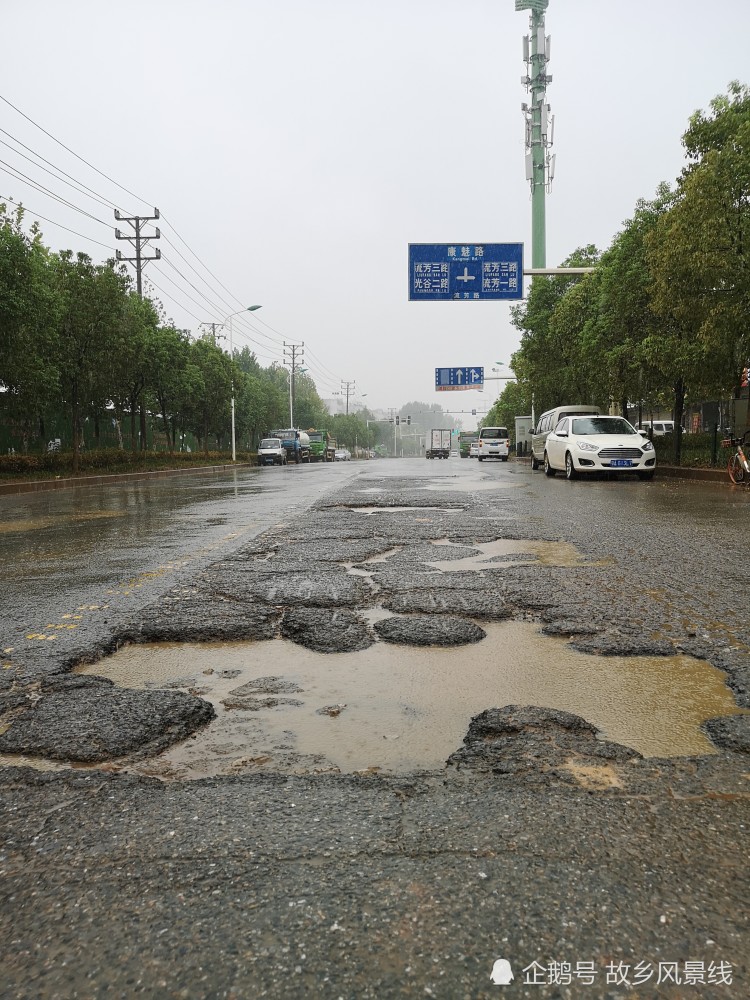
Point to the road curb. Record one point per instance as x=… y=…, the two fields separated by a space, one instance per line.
x=678 y=472
x=41 y=485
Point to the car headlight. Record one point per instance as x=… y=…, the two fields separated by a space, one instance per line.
x=586 y=446
x=647 y=446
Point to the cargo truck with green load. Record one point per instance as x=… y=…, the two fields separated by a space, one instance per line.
x=465 y=440
x=322 y=446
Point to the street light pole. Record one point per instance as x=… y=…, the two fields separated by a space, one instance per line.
x=231 y=358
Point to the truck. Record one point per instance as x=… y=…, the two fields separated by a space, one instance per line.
x=322 y=446
x=296 y=443
x=440 y=443
x=465 y=440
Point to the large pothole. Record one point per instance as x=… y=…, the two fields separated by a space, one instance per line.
x=401 y=709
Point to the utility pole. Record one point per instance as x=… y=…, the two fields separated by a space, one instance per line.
x=290 y=353
x=540 y=125
x=348 y=389
x=213 y=329
x=137 y=241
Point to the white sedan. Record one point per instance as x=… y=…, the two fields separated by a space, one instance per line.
x=598 y=444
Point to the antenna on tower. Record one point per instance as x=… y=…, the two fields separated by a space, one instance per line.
x=539 y=123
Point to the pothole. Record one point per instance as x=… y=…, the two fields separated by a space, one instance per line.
x=400 y=510
x=506 y=552
x=403 y=709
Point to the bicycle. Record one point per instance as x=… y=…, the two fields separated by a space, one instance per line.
x=738 y=466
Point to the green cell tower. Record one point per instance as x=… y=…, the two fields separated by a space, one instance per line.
x=540 y=125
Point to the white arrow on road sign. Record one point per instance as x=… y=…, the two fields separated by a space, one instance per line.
x=459 y=375
x=474 y=376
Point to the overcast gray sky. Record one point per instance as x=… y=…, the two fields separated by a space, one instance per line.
x=298 y=147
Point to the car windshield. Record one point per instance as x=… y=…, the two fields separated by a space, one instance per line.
x=602 y=425
x=270 y=443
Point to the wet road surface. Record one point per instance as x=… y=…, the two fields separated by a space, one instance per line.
x=542 y=838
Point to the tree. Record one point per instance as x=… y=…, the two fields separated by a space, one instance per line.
x=546 y=336
x=514 y=401
x=27 y=324
x=172 y=380
x=91 y=302
x=207 y=412
x=700 y=255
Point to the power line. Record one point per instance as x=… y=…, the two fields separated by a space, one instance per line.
x=53 y=223
x=56 y=171
x=72 y=152
x=25 y=179
x=83 y=188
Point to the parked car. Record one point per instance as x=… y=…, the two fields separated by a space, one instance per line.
x=342 y=455
x=494 y=442
x=658 y=428
x=271 y=451
x=474 y=449
x=547 y=423
x=598 y=444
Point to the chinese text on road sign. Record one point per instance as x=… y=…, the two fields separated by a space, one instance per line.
x=466 y=271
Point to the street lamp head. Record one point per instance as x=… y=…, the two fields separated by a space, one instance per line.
x=252 y=308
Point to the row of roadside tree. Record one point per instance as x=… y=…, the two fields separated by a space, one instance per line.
x=82 y=351
x=664 y=319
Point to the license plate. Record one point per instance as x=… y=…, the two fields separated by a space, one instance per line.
x=620 y=462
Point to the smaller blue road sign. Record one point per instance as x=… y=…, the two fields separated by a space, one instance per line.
x=439 y=272
x=459 y=378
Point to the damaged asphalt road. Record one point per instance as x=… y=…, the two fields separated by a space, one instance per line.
x=538 y=841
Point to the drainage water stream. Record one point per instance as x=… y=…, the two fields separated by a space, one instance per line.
x=400 y=709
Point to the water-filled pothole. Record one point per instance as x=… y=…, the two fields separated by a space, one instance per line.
x=400 y=510
x=403 y=709
x=505 y=552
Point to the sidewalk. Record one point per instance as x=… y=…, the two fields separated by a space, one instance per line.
x=718 y=475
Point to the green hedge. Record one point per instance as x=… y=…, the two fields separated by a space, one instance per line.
x=107 y=462
x=696 y=451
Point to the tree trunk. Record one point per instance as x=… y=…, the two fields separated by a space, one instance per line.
x=133 y=440
x=76 y=432
x=144 y=440
x=679 y=408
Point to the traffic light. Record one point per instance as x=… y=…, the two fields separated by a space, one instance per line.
x=398 y=421
x=408 y=421
x=473 y=413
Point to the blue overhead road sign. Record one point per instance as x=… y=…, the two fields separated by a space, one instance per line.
x=465 y=271
x=459 y=378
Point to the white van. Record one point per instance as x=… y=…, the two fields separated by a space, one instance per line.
x=494 y=442
x=547 y=423
x=658 y=428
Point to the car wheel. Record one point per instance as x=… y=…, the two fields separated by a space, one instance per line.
x=534 y=463
x=570 y=469
x=548 y=470
x=645 y=476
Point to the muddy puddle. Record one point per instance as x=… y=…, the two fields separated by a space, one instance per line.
x=400 y=709
x=511 y=552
